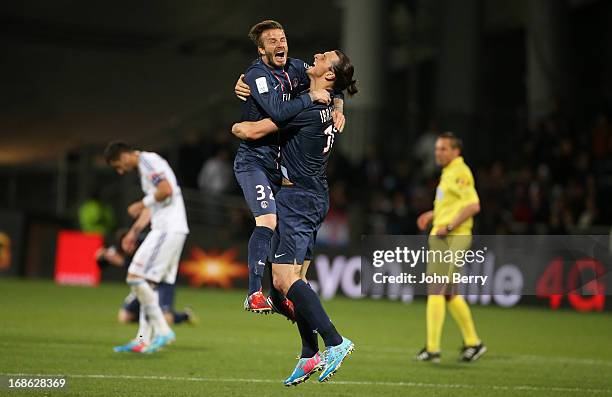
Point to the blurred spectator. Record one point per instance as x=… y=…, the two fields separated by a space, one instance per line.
x=335 y=231
x=96 y=216
x=423 y=150
x=191 y=157
x=216 y=174
x=401 y=217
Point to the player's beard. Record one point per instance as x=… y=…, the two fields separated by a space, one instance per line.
x=270 y=56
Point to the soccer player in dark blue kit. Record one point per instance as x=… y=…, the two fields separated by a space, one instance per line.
x=273 y=83
x=302 y=204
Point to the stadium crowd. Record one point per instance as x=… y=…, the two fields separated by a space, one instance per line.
x=556 y=181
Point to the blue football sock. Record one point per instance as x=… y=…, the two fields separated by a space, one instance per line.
x=179 y=317
x=307 y=303
x=310 y=341
x=259 y=247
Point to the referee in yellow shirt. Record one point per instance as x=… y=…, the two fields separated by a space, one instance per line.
x=455 y=205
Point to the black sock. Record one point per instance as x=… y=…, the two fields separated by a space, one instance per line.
x=310 y=341
x=259 y=247
x=307 y=303
x=180 y=317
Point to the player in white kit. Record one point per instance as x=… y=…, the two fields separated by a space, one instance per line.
x=157 y=258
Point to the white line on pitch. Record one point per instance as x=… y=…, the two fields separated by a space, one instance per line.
x=383 y=352
x=333 y=382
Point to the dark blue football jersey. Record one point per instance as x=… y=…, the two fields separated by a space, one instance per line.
x=307 y=140
x=274 y=95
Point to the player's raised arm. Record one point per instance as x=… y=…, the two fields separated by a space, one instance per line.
x=270 y=98
x=338 y=113
x=251 y=130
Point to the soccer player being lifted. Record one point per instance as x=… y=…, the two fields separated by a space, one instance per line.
x=157 y=258
x=455 y=205
x=270 y=88
x=302 y=204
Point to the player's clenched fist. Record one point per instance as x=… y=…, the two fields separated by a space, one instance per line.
x=128 y=244
x=321 y=96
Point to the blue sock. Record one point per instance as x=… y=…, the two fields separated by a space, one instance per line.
x=307 y=303
x=259 y=246
x=310 y=341
x=179 y=317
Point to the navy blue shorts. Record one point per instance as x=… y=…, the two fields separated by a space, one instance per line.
x=276 y=241
x=300 y=215
x=259 y=188
x=166 y=299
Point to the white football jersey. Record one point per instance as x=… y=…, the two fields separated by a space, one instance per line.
x=168 y=215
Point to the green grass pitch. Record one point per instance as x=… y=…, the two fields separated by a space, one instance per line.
x=47 y=329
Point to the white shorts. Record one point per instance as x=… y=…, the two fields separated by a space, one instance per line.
x=158 y=256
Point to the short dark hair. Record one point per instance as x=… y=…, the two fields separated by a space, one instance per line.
x=455 y=141
x=343 y=69
x=259 y=28
x=114 y=150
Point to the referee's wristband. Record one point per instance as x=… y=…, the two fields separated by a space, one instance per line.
x=149 y=200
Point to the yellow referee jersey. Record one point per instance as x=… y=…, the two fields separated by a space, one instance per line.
x=454 y=192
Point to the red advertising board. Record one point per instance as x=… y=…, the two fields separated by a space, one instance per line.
x=75 y=262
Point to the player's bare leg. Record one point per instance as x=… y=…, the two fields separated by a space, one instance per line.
x=277 y=299
x=304 y=271
x=286 y=305
x=284 y=275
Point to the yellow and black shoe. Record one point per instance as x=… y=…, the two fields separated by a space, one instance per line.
x=472 y=353
x=424 y=355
